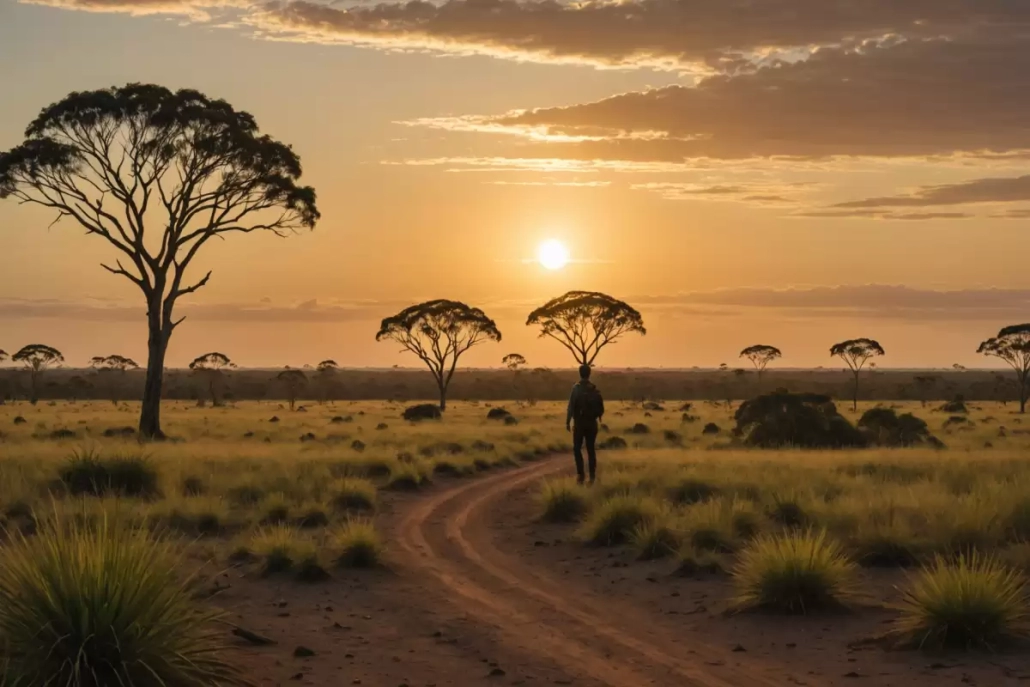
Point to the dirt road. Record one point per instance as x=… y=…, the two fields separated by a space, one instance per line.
x=449 y=539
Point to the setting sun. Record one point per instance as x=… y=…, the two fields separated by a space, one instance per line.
x=552 y=254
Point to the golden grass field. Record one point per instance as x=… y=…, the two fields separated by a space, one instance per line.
x=296 y=492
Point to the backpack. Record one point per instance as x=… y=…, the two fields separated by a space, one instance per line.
x=589 y=405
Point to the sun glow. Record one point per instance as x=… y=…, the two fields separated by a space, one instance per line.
x=552 y=254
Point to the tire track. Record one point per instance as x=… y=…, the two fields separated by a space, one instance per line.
x=447 y=538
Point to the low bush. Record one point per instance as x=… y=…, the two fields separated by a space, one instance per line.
x=102 y=605
x=89 y=473
x=613 y=521
x=563 y=500
x=793 y=573
x=972 y=601
x=353 y=494
x=356 y=544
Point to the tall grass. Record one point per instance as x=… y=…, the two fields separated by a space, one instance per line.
x=98 y=604
x=972 y=601
x=794 y=572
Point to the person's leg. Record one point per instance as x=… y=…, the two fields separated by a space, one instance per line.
x=577 y=451
x=591 y=441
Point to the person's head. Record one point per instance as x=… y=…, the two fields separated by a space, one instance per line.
x=584 y=372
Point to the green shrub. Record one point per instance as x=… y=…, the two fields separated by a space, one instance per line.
x=102 y=605
x=657 y=538
x=356 y=545
x=276 y=509
x=279 y=546
x=688 y=491
x=614 y=520
x=406 y=477
x=354 y=494
x=89 y=473
x=972 y=601
x=563 y=500
x=795 y=572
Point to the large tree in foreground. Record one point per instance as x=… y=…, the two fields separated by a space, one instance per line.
x=110 y=365
x=157 y=174
x=584 y=322
x=37 y=359
x=760 y=356
x=856 y=353
x=439 y=332
x=1012 y=344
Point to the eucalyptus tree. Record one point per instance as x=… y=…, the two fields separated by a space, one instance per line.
x=37 y=359
x=1012 y=344
x=157 y=175
x=856 y=353
x=439 y=332
x=110 y=365
x=212 y=368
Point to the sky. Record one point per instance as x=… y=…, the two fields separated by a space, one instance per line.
x=785 y=172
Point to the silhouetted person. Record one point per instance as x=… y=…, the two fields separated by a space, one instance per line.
x=586 y=408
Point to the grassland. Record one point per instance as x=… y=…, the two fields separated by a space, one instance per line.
x=296 y=493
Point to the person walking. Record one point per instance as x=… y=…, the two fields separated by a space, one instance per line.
x=586 y=408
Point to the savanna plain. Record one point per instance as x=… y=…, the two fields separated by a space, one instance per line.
x=339 y=544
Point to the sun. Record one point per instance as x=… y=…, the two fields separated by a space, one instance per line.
x=552 y=254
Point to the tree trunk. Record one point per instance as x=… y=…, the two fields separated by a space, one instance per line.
x=854 y=402
x=150 y=414
x=1022 y=393
x=443 y=398
x=34 y=387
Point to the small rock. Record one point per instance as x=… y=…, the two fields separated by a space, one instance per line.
x=497 y=672
x=738 y=648
x=303 y=652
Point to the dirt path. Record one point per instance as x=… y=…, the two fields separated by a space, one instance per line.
x=448 y=538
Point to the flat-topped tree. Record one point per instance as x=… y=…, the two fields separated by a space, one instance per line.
x=856 y=353
x=157 y=174
x=293 y=381
x=760 y=356
x=211 y=367
x=1012 y=344
x=439 y=332
x=37 y=359
x=106 y=366
x=3 y=355
x=584 y=322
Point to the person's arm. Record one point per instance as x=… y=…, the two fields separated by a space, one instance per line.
x=572 y=401
x=600 y=401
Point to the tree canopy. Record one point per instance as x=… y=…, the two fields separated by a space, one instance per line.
x=3 y=355
x=856 y=352
x=294 y=380
x=327 y=367
x=112 y=363
x=212 y=362
x=760 y=356
x=439 y=332
x=38 y=357
x=157 y=174
x=1012 y=344
x=584 y=322
x=513 y=361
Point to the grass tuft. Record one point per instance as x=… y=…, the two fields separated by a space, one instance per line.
x=103 y=605
x=613 y=521
x=796 y=572
x=87 y=473
x=970 y=602
x=562 y=500
x=356 y=544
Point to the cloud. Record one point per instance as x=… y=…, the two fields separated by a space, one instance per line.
x=263 y=310
x=997 y=190
x=687 y=34
x=751 y=193
x=195 y=10
x=881 y=215
x=916 y=98
x=864 y=300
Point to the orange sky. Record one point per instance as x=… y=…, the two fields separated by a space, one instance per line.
x=864 y=186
